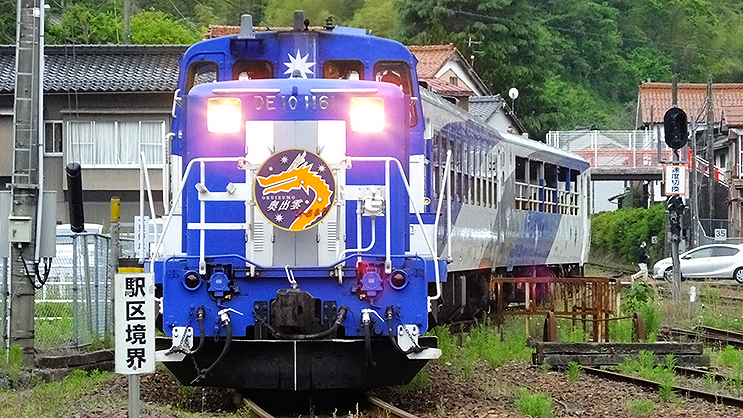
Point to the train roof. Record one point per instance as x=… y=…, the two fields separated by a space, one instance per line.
x=535 y=145
x=355 y=43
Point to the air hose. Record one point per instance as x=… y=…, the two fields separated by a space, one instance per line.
x=366 y=322
x=225 y=317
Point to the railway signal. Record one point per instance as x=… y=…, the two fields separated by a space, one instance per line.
x=676 y=135
x=675 y=128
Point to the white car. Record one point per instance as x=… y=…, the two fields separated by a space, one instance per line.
x=714 y=261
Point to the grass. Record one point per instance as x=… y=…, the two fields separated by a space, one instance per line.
x=646 y=367
x=568 y=333
x=641 y=407
x=573 y=371
x=11 y=363
x=483 y=343
x=63 y=398
x=537 y=405
x=710 y=310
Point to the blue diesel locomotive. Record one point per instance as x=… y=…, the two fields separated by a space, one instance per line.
x=326 y=210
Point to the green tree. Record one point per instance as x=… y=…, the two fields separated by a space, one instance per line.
x=511 y=45
x=379 y=16
x=7 y=22
x=281 y=12
x=154 y=27
x=87 y=24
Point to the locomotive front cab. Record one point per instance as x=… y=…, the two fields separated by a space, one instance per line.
x=296 y=216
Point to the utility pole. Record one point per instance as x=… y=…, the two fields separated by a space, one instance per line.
x=27 y=147
x=710 y=155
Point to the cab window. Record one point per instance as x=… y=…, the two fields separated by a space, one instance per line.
x=201 y=72
x=252 y=70
x=398 y=73
x=343 y=69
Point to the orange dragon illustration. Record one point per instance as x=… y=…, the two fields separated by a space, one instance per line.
x=299 y=176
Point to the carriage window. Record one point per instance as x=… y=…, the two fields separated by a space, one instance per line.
x=521 y=169
x=550 y=188
x=202 y=72
x=535 y=172
x=252 y=70
x=343 y=69
x=522 y=188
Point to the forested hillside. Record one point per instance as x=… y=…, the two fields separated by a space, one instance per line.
x=575 y=62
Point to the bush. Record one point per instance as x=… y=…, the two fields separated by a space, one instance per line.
x=622 y=230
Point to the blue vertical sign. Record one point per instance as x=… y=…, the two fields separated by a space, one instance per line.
x=134 y=315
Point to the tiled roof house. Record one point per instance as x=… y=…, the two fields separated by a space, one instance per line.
x=102 y=105
x=447 y=73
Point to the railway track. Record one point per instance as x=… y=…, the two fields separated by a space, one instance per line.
x=715 y=336
x=372 y=406
x=711 y=397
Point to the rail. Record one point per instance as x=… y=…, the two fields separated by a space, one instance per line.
x=711 y=397
x=373 y=407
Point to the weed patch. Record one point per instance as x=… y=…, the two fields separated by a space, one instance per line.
x=573 y=371
x=537 y=405
x=641 y=407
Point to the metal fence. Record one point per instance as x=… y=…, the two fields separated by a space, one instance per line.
x=707 y=229
x=75 y=306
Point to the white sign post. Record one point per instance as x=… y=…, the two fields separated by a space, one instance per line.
x=134 y=316
x=141 y=236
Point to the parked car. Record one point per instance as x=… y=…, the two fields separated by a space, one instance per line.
x=714 y=261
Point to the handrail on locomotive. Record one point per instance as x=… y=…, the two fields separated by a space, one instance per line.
x=240 y=192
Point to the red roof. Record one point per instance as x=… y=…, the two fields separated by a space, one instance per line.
x=215 y=31
x=431 y=58
x=727 y=99
x=445 y=88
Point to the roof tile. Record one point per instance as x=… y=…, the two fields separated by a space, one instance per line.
x=727 y=98
x=431 y=58
x=443 y=87
x=101 y=67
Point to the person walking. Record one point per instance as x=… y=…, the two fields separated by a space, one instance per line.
x=642 y=261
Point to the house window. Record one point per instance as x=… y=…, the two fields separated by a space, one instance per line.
x=454 y=80
x=115 y=143
x=53 y=137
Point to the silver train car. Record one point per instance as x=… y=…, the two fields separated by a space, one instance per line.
x=518 y=208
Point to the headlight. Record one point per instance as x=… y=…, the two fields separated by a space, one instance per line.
x=223 y=115
x=367 y=114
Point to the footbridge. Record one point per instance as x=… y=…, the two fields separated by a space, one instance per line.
x=624 y=155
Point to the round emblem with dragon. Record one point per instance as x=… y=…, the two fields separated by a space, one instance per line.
x=294 y=189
